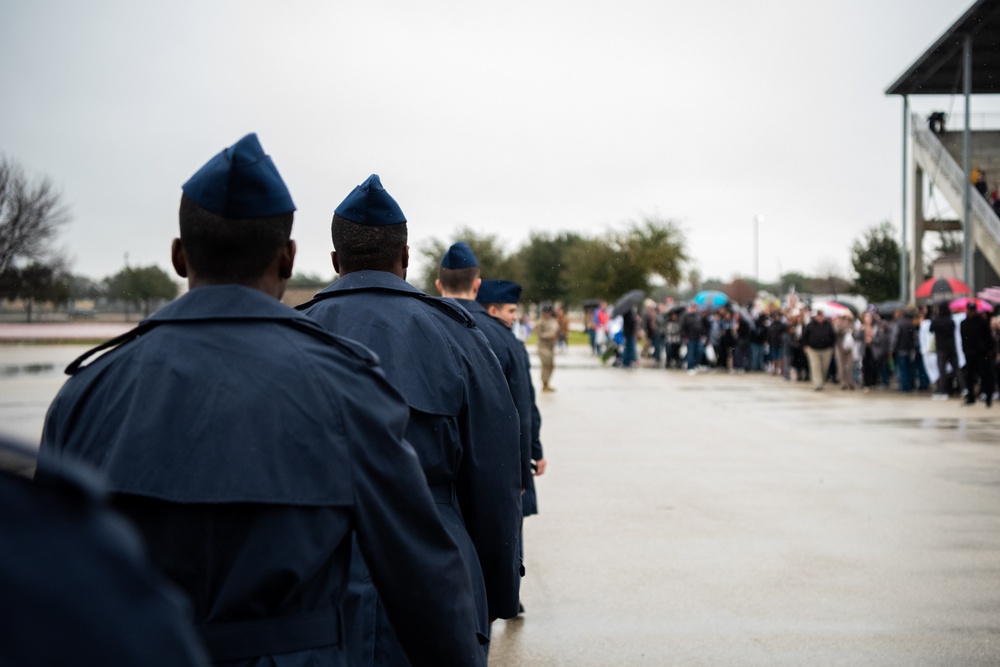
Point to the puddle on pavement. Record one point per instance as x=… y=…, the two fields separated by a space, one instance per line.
x=968 y=428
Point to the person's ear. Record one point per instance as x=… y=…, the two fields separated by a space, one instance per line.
x=475 y=286
x=336 y=262
x=178 y=259
x=437 y=284
x=406 y=257
x=287 y=262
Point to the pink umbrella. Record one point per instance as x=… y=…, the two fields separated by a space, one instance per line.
x=991 y=294
x=831 y=308
x=959 y=305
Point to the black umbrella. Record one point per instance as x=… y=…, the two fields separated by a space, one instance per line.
x=888 y=308
x=744 y=314
x=627 y=301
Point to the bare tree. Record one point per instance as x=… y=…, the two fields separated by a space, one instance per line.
x=830 y=278
x=30 y=214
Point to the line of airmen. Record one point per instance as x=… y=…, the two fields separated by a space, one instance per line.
x=341 y=485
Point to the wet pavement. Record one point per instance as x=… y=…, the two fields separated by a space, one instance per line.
x=30 y=377
x=742 y=520
x=730 y=520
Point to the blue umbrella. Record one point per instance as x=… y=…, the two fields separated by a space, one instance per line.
x=710 y=299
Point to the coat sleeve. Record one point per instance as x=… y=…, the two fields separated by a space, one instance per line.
x=536 y=416
x=489 y=480
x=415 y=565
x=519 y=381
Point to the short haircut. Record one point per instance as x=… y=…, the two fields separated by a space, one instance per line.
x=230 y=249
x=367 y=247
x=458 y=280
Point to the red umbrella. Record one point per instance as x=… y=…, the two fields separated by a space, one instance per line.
x=941 y=287
x=959 y=305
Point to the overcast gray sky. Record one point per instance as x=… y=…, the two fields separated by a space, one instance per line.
x=505 y=117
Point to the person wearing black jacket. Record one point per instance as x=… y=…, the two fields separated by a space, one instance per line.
x=775 y=336
x=977 y=343
x=943 y=328
x=903 y=346
x=693 y=333
x=818 y=339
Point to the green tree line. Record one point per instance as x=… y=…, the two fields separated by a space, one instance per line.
x=572 y=267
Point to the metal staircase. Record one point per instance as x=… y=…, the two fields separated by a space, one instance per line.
x=932 y=157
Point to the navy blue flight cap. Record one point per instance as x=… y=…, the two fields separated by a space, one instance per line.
x=240 y=182
x=369 y=204
x=459 y=256
x=498 y=291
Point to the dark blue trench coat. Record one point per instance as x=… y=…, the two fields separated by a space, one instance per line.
x=247 y=444
x=463 y=426
x=77 y=588
x=516 y=366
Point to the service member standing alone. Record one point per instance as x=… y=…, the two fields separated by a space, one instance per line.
x=463 y=423
x=247 y=443
x=548 y=333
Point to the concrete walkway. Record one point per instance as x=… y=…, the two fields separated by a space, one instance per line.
x=741 y=520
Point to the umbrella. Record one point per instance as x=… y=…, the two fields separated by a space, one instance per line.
x=941 y=287
x=991 y=294
x=627 y=301
x=889 y=308
x=710 y=299
x=831 y=308
x=959 y=305
x=854 y=311
x=745 y=315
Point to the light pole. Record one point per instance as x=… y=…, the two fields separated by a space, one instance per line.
x=757 y=219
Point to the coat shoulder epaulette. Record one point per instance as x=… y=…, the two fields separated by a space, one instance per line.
x=447 y=306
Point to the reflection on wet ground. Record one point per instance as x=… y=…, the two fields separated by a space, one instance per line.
x=30 y=377
x=26 y=369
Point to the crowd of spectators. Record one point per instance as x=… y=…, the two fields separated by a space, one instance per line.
x=925 y=349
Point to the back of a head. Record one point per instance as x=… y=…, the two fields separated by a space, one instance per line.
x=235 y=214
x=944 y=310
x=459 y=269
x=369 y=229
x=365 y=248
x=230 y=250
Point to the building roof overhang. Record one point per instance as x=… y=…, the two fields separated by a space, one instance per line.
x=939 y=70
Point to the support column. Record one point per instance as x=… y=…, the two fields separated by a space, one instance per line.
x=967 y=249
x=919 y=225
x=904 y=293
